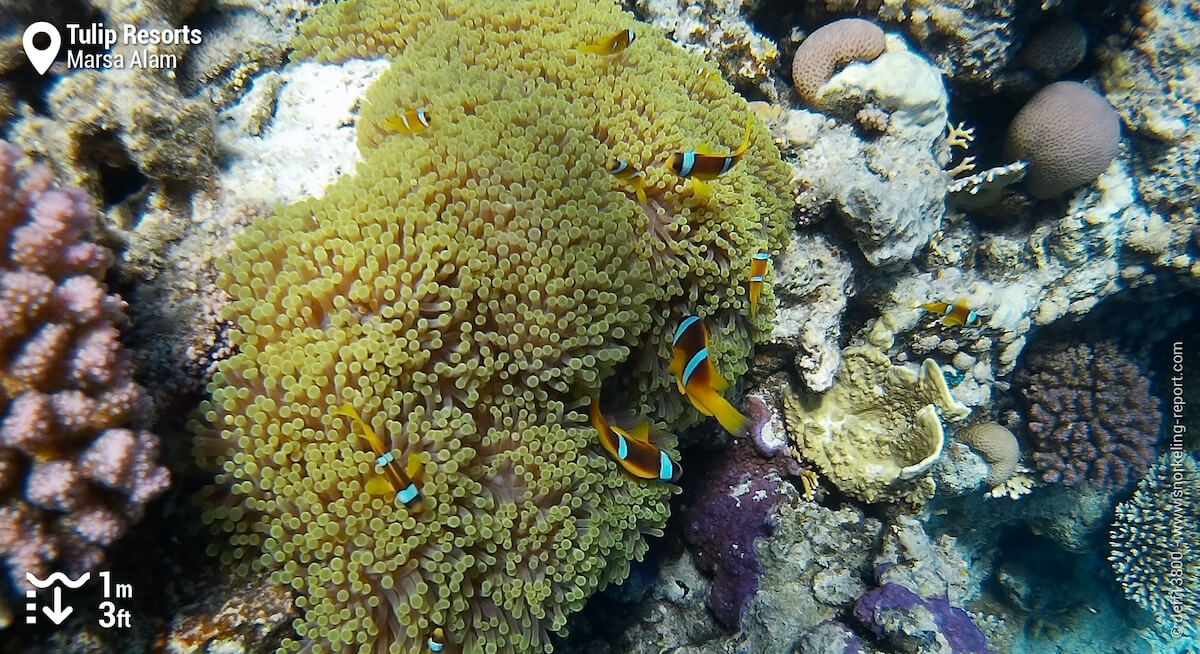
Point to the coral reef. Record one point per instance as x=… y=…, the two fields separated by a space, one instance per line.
x=1068 y=133
x=922 y=585
x=1147 y=79
x=968 y=40
x=890 y=191
x=727 y=509
x=724 y=34
x=998 y=446
x=1154 y=541
x=72 y=475
x=464 y=291
x=813 y=285
x=877 y=432
x=831 y=46
x=1091 y=416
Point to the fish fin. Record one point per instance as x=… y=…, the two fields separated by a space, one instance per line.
x=718 y=407
x=414 y=468
x=700 y=189
x=367 y=433
x=640 y=189
x=704 y=148
x=379 y=485
x=640 y=433
x=718 y=382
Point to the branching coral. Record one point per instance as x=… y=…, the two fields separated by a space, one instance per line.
x=1091 y=416
x=1155 y=541
x=464 y=291
x=71 y=475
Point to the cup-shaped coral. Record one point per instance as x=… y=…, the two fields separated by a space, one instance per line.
x=465 y=290
x=877 y=432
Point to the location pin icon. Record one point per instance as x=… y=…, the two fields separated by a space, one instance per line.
x=41 y=58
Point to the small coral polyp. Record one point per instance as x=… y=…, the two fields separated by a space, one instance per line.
x=467 y=292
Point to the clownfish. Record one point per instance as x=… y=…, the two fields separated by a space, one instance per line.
x=632 y=449
x=412 y=121
x=954 y=314
x=758 y=268
x=437 y=641
x=611 y=45
x=701 y=164
x=698 y=379
x=391 y=478
x=622 y=170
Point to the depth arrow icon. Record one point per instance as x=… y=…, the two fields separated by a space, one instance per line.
x=59 y=612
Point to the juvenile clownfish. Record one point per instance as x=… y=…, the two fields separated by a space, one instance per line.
x=702 y=165
x=622 y=170
x=437 y=641
x=413 y=121
x=611 y=45
x=391 y=478
x=758 y=268
x=698 y=379
x=954 y=314
x=632 y=449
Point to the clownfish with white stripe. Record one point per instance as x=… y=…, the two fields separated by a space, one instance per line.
x=390 y=478
x=623 y=171
x=633 y=450
x=610 y=45
x=413 y=121
x=954 y=314
x=703 y=165
x=437 y=641
x=758 y=268
x=698 y=379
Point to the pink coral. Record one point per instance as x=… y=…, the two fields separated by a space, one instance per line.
x=72 y=476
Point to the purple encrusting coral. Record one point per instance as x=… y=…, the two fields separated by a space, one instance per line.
x=72 y=476
x=888 y=611
x=1090 y=415
x=728 y=508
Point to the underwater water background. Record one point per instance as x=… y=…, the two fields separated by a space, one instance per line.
x=531 y=326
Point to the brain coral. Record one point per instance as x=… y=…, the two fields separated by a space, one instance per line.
x=1056 y=48
x=466 y=291
x=1090 y=415
x=1068 y=133
x=72 y=477
x=1155 y=542
x=830 y=46
x=997 y=445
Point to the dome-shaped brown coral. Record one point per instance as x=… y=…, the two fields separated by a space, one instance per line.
x=830 y=46
x=1068 y=133
x=1055 y=49
x=997 y=446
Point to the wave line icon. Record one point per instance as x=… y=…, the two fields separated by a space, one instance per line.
x=59 y=578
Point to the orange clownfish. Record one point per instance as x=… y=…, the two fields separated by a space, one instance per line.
x=758 y=268
x=622 y=170
x=698 y=379
x=954 y=314
x=437 y=641
x=611 y=45
x=632 y=449
x=701 y=164
x=391 y=478
x=412 y=121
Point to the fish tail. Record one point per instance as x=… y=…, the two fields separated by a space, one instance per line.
x=755 y=289
x=718 y=407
